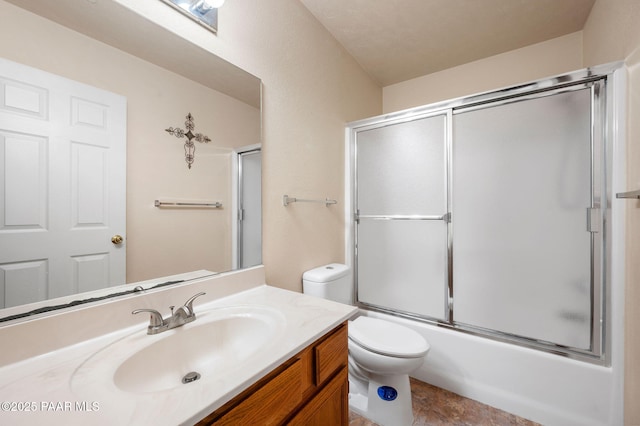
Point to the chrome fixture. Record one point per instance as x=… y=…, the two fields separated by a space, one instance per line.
x=189 y=146
x=215 y=204
x=286 y=200
x=631 y=194
x=183 y=315
x=191 y=377
x=204 y=12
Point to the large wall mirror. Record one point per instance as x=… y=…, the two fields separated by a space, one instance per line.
x=163 y=77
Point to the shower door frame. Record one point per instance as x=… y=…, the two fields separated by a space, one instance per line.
x=604 y=131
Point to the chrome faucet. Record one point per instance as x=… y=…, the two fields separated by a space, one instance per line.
x=183 y=315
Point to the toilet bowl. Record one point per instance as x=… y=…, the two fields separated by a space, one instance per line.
x=381 y=353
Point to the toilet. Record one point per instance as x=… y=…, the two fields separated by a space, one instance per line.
x=381 y=353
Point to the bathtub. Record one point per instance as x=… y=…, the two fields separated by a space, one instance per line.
x=546 y=388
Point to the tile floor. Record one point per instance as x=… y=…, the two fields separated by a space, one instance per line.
x=433 y=406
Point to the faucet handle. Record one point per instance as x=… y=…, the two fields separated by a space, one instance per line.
x=189 y=303
x=156 y=317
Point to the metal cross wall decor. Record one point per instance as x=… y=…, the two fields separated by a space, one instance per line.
x=189 y=146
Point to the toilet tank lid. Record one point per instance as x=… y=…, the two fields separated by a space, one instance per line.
x=326 y=273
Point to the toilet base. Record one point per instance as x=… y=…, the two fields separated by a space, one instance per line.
x=393 y=408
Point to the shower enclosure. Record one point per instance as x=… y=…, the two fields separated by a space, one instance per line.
x=489 y=214
x=250 y=202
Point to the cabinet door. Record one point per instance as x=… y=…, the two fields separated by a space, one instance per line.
x=329 y=407
x=270 y=404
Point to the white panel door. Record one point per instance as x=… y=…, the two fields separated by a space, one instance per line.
x=62 y=186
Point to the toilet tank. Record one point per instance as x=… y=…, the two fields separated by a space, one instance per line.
x=331 y=282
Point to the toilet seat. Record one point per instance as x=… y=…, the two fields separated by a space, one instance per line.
x=386 y=338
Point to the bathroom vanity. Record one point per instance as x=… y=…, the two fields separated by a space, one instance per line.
x=258 y=355
x=311 y=388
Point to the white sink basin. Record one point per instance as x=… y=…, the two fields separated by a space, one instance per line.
x=219 y=342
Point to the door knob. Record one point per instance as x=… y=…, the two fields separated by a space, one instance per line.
x=117 y=239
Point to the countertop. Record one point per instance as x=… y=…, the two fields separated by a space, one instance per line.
x=44 y=389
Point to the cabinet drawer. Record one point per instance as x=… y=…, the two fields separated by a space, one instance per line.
x=331 y=354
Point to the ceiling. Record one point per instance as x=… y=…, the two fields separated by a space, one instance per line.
x=116 y=25
x=393 y=40
x=397 y=40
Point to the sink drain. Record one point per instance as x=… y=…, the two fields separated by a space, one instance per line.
x=190 y=377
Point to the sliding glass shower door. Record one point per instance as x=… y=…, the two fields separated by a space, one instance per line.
x=402 y=206
x=489 y=215
x=521 y=202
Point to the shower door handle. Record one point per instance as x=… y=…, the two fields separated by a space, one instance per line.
x=593 y=219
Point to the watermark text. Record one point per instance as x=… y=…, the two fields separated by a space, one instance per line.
x=49 y=406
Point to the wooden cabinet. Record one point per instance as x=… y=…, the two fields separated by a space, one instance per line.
x=311 y=388
x=329 y=407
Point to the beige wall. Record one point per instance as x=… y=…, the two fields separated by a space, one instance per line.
x=612 y=33
x=312 y=88
x=159 y=242
x=540 y=60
